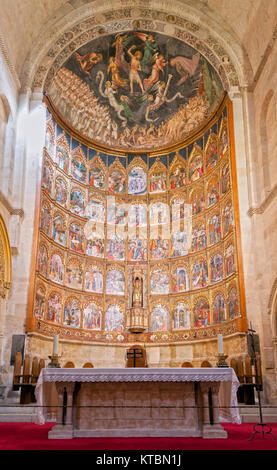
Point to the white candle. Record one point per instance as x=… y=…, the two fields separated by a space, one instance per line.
x=56 y=345
x=220 y=344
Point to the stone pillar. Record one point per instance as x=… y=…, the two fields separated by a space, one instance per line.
x=215 y=430
x=60 y=430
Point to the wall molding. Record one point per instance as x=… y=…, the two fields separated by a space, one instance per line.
x=10 y=66
x=9 y=207
x=265 y=204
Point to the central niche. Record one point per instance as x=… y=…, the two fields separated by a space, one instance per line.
x=138 y=90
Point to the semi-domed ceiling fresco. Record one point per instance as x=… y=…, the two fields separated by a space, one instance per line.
x=136 y=91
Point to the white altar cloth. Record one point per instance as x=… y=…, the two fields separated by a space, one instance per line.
x=227 y=395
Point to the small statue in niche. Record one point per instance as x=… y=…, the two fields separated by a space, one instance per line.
x=137 y=292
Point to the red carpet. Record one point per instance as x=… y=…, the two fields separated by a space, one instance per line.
x=29 y=436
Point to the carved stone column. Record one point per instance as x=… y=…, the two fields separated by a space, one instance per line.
x=214 y=430
x=63 y=430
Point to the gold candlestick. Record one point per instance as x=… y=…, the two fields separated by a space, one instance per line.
x=221 y=360
x=54 y=361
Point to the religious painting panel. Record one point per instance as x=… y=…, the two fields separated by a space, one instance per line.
x=159 y=282
x=158 y=248
x=59 y=229
x=116 y=212
x=179 y=208
x=97 y=177
x=95 y=209
x=43 y=260
x=157 y=182
x=212 y=191
x=115 y=282
x=54 y=307
x=93 y=280
x=179 y=243
x=233 y=303
x=56 y=268
x=223 y=138
x=217 y=268
x=180 y=279
x=197 y=200
x=137 y=181
x=177 y=175
x=219 y=309
x=230 y=263
x=181 y=317
x=159 y=213
x=225 y=179
x=62 y=154
x=78 y=167
x=198 y=236
x=228 y=218
x=115 y=248
x=196 y=164
x=77 y=202
x=76 y=238
x=137 y=249
x=117 y=182
x=95 y=247
x=72 y=313
x=74 y=274
x=92 y=316
x=47 y=177
x=137 y=215
x=199 y=274
x=45 y=218
x=159 y=320
x=60 y=191
x=40 y=302
x=201 y=313
x=50 y=138
x=214 y=229
x=114 y=319
x=211 y=152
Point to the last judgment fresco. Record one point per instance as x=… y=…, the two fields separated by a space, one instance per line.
x=136 y=90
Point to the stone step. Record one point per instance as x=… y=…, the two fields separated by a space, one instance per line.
x=17 y=413
x=252 y=414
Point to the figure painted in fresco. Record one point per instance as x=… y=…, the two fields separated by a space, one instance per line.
x=72 y=314
x=114 y=320
x=212 y=192
x=95 y=247
x=230 y=266
x=115 y=282
x=39 y=305
x=58 y=232
x=137 y=182
x=78 y=170
x=92 y=317
x=95 y=210
x=45 y=219
x=117 y=182
x=157 y=183
x=87 y=61
x=228 y=218
x=185 y=67
x=73 y=274
x=179 y=244
x=180 y=280
x=47 y=178
x=198 y=237
x=60 y=191
x=50 y=142
x=196 y=168
x=214 y=229
x=197 y=201
x=54 y=308
x=159 y=282
x=181 y=317
x=97 y=178
x=137 y=250
x=76 y=239
x=159 y=320
x=116 y=213
x=158 y=248
x=56 y=269
x=94 y=280
x=158 y=66
x=177 y=178
x=115 y=248
x=137 y=215
x=225 y=181
x=77 y=202
x=219 y=309
x=135 y=68
x=201 y=313
x=43 y=261
x=217 y=272
x=159 y=213
x=233 y=303
x=199 y=276
x=223 y=142
x=211 y=154
x=62 y=157
x=180 y=209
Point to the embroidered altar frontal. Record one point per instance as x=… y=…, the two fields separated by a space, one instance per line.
x=139 y=402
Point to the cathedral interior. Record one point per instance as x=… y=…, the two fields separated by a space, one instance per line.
x=138 y=189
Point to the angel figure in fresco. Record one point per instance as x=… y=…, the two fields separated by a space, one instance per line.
x=117 y=81
x=87 y=61
x=185 y=67
x=159 y=65
x=135 y=68
x=109 y=93
x=150 y=47
x=121 y=41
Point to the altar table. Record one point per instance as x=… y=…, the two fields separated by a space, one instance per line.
x=137 y=402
